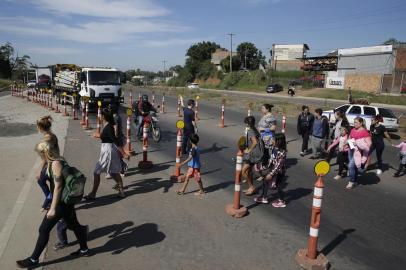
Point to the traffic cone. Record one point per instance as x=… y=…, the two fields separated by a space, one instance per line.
x=163 y=104
x=236 y=209
x=176 y=177
x=128 y=149
x=87 y=126
x=283 y=123
x=311 y=258
x=75 y=117
x=222 y=115
x=145 y=163
x=83 y=121
x=179 y=105
x=97 y=133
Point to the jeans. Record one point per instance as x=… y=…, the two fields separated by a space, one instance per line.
x=42 y=182
x=185 y=140
x=68 y=213
x=305 y=137
x=352 y=168
x=139 y=126
x=379 y=146
x=317 y=146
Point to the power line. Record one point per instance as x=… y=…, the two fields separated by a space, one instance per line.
x=231 y=51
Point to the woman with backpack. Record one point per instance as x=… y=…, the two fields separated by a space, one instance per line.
x=253 y=153
x=110 y=159
x=58 y=209
x=44 y=125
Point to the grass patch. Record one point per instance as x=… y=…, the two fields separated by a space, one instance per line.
x=343 y=95
x=4 y=84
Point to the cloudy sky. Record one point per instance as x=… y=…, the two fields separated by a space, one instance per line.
x=142 y=33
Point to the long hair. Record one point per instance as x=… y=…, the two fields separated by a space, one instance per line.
x=280 y=141
x=361 y=121
x=250 y=121
x=108 y=116
x=49 y=152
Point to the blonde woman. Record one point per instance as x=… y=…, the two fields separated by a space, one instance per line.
x=57 y=210
x=44 y=125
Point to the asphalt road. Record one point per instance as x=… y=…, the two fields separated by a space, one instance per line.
x=154 y=228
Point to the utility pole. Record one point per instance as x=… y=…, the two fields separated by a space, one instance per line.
x=231 y=52
x=164 y=61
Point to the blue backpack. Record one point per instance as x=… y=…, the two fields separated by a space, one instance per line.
x=266 y=137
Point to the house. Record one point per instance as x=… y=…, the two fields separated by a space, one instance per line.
x=287 y=57
x=218 y=56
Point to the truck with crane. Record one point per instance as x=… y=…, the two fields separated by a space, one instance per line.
x=91 y=83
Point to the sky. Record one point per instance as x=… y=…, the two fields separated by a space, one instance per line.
x=131 y=34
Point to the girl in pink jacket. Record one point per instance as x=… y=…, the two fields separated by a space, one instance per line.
x=342 y=154
x=402 y=156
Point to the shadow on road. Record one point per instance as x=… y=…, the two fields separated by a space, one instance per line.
x=156 y=168
x=336 y=241
x=213 y=149
x=137 y=187
x=218 y=186
x=168 y=136
x=122 y=240
x=211 y=171
x=369 y=178
x=290 y=162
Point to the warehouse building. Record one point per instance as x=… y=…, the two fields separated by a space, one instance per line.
x=372 y=69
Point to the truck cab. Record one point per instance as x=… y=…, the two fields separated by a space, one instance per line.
x=101 y=84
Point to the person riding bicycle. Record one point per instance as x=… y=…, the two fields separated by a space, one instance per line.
x=144 y=109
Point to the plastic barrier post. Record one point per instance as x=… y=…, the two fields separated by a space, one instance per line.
x=145 y=163
x=176 y=176
x=311 y=258
x=87 y=126
x=222 y=115
x=97 y=133
x=128 y=147
x=236 y=209
x=283 y=123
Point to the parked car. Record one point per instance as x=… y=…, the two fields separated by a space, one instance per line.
x=273 y=88
x=31 y=84
x=390 y=121
x=193 y=86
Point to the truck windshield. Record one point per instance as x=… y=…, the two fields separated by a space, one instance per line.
x=104 y=77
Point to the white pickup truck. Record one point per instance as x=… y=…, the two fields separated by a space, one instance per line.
x=367 y=112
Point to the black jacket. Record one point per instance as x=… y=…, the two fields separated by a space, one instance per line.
x=304 y=123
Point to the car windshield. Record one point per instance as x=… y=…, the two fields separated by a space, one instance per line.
x=386 y=113
x=104 y=78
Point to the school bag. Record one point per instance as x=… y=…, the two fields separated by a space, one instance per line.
x=266 y=137
x=74 y=184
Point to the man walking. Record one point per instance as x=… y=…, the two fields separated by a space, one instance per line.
x=319 y=132
x=304 y=127
x=190 y=124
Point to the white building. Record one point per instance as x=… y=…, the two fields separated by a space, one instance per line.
x=286 y=56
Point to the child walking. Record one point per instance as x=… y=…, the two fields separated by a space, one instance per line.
x=402 y=157
x=342 y=154
x=193 y=163
x=275 y=172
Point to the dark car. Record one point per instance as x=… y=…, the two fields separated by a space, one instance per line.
x=273 y=88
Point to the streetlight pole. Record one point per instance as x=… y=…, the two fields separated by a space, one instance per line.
x=231 y=52
x=164 y=61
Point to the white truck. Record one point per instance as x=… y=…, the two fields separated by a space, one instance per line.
x=95 y=84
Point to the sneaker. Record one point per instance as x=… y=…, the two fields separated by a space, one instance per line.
x=108 y=176
x=60 y=245
x=80 y=253
x=350 y=185
x=265 y=200
x=27 y=263
x=302 y=154
x=122 y=175
x=397 y=174
x=337 y=177
x=278 y=204
x=258 y=199
x=378 y=172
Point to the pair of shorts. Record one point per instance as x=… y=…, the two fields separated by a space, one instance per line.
x=194 y=172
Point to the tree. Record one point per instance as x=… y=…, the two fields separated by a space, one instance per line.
x=250 y=56
x=225 y=63
x=202 y=51
x=11 y=63
x=392 y=41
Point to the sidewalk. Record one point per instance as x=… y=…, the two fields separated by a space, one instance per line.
x=20 y=196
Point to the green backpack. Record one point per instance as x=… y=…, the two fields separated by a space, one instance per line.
x=74 y=184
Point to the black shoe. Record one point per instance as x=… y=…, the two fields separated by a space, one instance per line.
x=59 y=246
x=26 y=263
x=80 y=253
x=397 y=174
